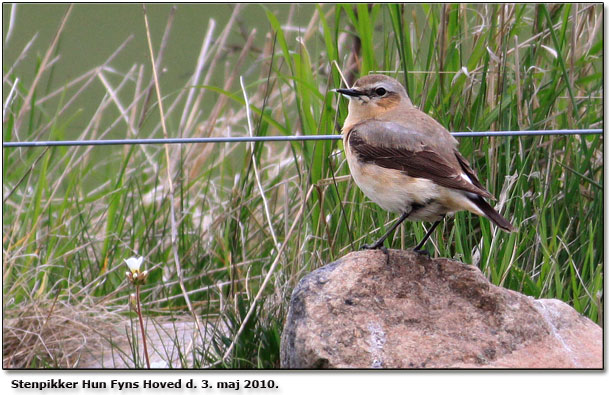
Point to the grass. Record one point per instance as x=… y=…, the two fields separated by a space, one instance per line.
x=72 y=214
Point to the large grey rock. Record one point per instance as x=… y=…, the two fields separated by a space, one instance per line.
x=403 y=310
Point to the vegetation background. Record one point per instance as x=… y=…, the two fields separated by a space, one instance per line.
x=227 y=230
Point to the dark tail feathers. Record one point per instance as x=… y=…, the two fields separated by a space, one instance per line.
x=491 y=213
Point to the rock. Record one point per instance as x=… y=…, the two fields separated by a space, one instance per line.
x=96 y=337
x=404 y=310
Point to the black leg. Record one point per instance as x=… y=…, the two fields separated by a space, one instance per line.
x=379 y=242
x=429 y=232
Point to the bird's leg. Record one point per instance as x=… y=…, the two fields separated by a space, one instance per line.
x=379 y=243
x=419 y=246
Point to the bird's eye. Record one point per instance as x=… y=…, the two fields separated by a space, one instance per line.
x=380 y=91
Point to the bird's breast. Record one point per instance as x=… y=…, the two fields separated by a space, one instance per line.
x=391 y=189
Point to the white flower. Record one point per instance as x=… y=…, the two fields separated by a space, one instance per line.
x=134 y=263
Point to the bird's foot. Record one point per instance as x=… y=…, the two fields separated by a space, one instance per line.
x=372 y=247
x=421 y=251
x=377 y=247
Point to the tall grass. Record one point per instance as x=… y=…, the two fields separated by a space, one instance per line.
x=71 y=215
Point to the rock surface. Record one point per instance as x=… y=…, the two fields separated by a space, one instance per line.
x=404 y=310
x=94 y=337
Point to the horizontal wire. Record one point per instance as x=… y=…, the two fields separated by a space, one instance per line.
x=206 y=140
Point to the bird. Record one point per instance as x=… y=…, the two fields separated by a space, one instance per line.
x=405 y=161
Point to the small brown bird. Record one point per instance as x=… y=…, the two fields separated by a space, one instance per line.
x=405 y=161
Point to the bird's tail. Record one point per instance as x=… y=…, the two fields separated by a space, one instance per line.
x=490 y=213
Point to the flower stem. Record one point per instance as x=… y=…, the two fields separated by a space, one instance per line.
x=139 y=314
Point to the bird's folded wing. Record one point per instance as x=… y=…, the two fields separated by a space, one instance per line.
x=465 y=166
x=393 y=146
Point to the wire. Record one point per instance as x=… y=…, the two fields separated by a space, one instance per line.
x=206 y=140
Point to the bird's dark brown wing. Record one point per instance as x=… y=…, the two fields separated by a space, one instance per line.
x=467 y=169
x=393 y=146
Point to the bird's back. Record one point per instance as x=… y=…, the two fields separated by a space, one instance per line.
x=414 y=119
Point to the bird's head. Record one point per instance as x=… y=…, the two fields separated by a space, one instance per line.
x=374 y=95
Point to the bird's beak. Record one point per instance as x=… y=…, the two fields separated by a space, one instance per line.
x=349 y=92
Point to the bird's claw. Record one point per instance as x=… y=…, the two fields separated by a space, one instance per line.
x=422 y=252
x=380 y=247
x=369 y=247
